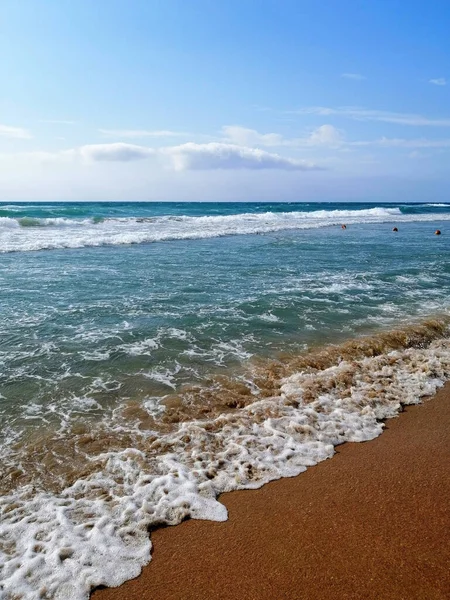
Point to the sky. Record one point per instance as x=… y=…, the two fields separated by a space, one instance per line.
x=225 y=100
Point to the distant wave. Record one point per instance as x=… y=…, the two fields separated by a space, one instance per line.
x=32 y=233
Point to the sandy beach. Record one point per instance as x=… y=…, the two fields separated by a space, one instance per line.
x=372 y=522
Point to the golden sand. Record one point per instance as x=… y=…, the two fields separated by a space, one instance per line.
x=371 y=523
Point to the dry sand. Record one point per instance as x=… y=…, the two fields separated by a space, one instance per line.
x=371 y=523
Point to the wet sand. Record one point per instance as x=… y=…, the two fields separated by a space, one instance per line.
x=371 y=523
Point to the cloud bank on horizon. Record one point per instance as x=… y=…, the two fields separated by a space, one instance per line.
x=216 y=101
x=185 y=157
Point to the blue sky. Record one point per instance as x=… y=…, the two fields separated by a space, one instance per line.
x=225 y=100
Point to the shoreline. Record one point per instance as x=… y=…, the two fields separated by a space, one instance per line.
x=373 y=522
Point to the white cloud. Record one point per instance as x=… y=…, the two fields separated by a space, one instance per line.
x=185 y=157
x=140 y=133
x=402 y=143
x=325 y=135
x=439 y=81
x=210 y=156
x=362 y=114
x=113 y=152
x=354 y=76
x=250 y=137
x=15 y=132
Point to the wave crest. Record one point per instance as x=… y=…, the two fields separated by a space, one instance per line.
x=31 y=233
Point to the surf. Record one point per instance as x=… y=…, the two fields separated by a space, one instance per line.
x=25 y=234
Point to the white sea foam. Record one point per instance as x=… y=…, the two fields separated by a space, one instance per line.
x=95 y=355
x=96 y=531
x=269 y=317
x=61 y=232
x=220 y=352
x=164 y=375
x=143 y=347
x=149 y=345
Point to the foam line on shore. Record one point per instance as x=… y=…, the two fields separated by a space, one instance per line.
x=372 y=523
x=94 y=532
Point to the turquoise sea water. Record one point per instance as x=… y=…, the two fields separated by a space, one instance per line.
x=118 y=320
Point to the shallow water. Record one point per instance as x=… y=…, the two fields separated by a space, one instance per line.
x=152 y=356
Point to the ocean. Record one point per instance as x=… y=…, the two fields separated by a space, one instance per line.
x=155 y=355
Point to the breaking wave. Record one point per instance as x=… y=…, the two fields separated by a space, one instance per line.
x=31 y=233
